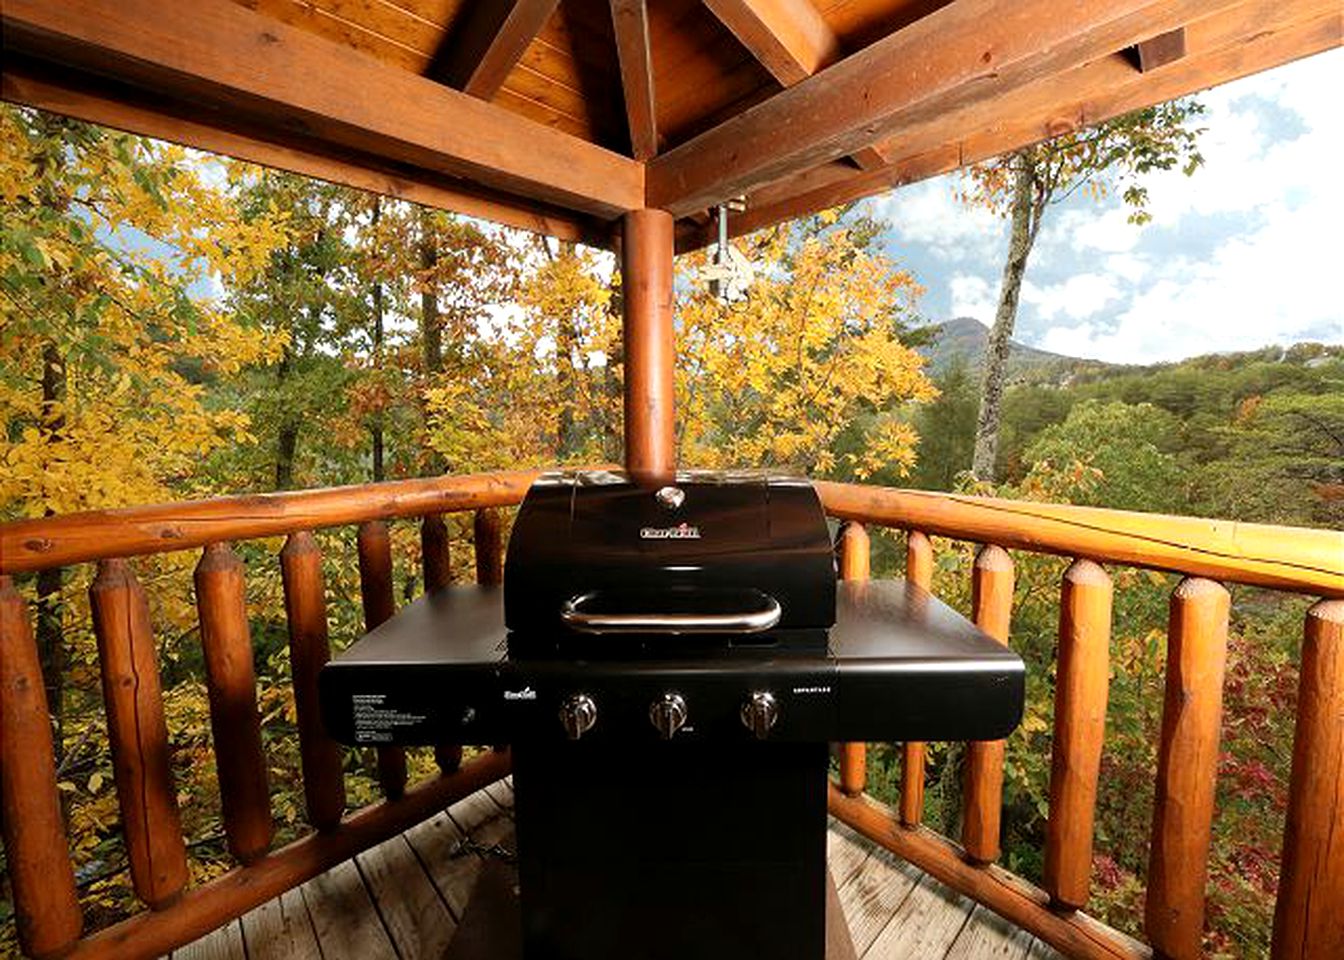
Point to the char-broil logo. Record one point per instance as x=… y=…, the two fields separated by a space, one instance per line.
x=527 y=693
x=682 y=531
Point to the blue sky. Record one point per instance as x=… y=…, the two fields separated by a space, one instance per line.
x=1249 y=252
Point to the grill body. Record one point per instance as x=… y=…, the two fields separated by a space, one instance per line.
x=703 y=675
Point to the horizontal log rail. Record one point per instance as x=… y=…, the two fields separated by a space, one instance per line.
x=1311 y=888
x=1306 y=561
x=1285 y=558
x=38 y=544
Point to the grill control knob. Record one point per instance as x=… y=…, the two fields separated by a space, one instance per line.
x=577 y=715
x=670 y=498
x=668 y=714
x=759 y=714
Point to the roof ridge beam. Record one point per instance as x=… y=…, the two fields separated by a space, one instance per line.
x=967 y=51
x=231 y=63
x=486 y=43
x=792 y=40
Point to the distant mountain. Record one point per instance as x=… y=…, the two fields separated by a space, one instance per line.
x=964 y=339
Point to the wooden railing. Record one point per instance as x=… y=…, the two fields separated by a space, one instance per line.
x=42 y=879
x=1311 y=891
x=1310 y=900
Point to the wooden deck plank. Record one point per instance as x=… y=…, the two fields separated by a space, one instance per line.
x=438 y=844
x=414 y=914
x=987 y=936
x=873 y=896
x=281 y=929
x=925 y=925
x=845 y=852
x=403 y=899
x=226 y=943
x=344 y=918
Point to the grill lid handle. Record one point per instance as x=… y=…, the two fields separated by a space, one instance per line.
x=738 y=621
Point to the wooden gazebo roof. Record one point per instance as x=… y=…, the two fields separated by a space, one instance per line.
x=562 y=115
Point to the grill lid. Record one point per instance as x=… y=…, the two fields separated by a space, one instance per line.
x=594 y=553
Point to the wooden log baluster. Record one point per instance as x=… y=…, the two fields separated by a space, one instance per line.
x=375 y=590
x=1187 y=767
x=309 y=649
x=1080 y=727
x=138 y=735
x=488 y=537
x=992 y=604
x=1309 y=914
x=438 y=574
x=235 y=723
x=919 y=571
x=438 y=568
x=855 y=559
x=46 y=906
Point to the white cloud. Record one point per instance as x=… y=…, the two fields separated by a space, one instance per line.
x=930 y=214
x=1080 y=296
x=973 y=296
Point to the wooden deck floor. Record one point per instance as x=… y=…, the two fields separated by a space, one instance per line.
x=401 y=900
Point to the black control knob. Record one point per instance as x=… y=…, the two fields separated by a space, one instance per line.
x=577 y=715
x=668 y=714
x=759 y=714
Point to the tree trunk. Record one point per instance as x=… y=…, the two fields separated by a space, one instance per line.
x=376 y=423
x=1000 y=335
x=50 y=636
x=287 y=435
x=431 y=326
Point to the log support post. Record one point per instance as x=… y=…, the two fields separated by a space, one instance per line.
x=1187 y=768
x=1308 y=916
x=855 y=559
x=646 y=279
x=992 y=603
x=46 y=907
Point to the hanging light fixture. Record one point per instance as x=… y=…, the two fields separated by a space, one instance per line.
x=729 y=273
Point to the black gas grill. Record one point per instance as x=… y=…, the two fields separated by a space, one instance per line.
x=669 y=666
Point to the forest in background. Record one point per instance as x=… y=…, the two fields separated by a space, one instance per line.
x=176 y=326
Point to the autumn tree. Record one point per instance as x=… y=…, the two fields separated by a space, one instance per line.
x=811 y=371
x=109 y=247
x=1023 y=185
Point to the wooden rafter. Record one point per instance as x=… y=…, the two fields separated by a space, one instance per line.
x=228 y=64
x=791 y=40
x=480 y=52
x=1246 y=38
x=1160 y=50
x=967 y=52
x=630 y=18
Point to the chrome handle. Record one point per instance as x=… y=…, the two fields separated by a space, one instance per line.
x=746 y=621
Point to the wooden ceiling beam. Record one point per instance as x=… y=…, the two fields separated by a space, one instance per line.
x=630 y=19
x=967 y=52
x=231 y=65
x=792 y=41
x=483 y=48
x=1253 y=36
x=94 y=100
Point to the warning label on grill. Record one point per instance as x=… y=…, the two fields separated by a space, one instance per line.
x=375 y=721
